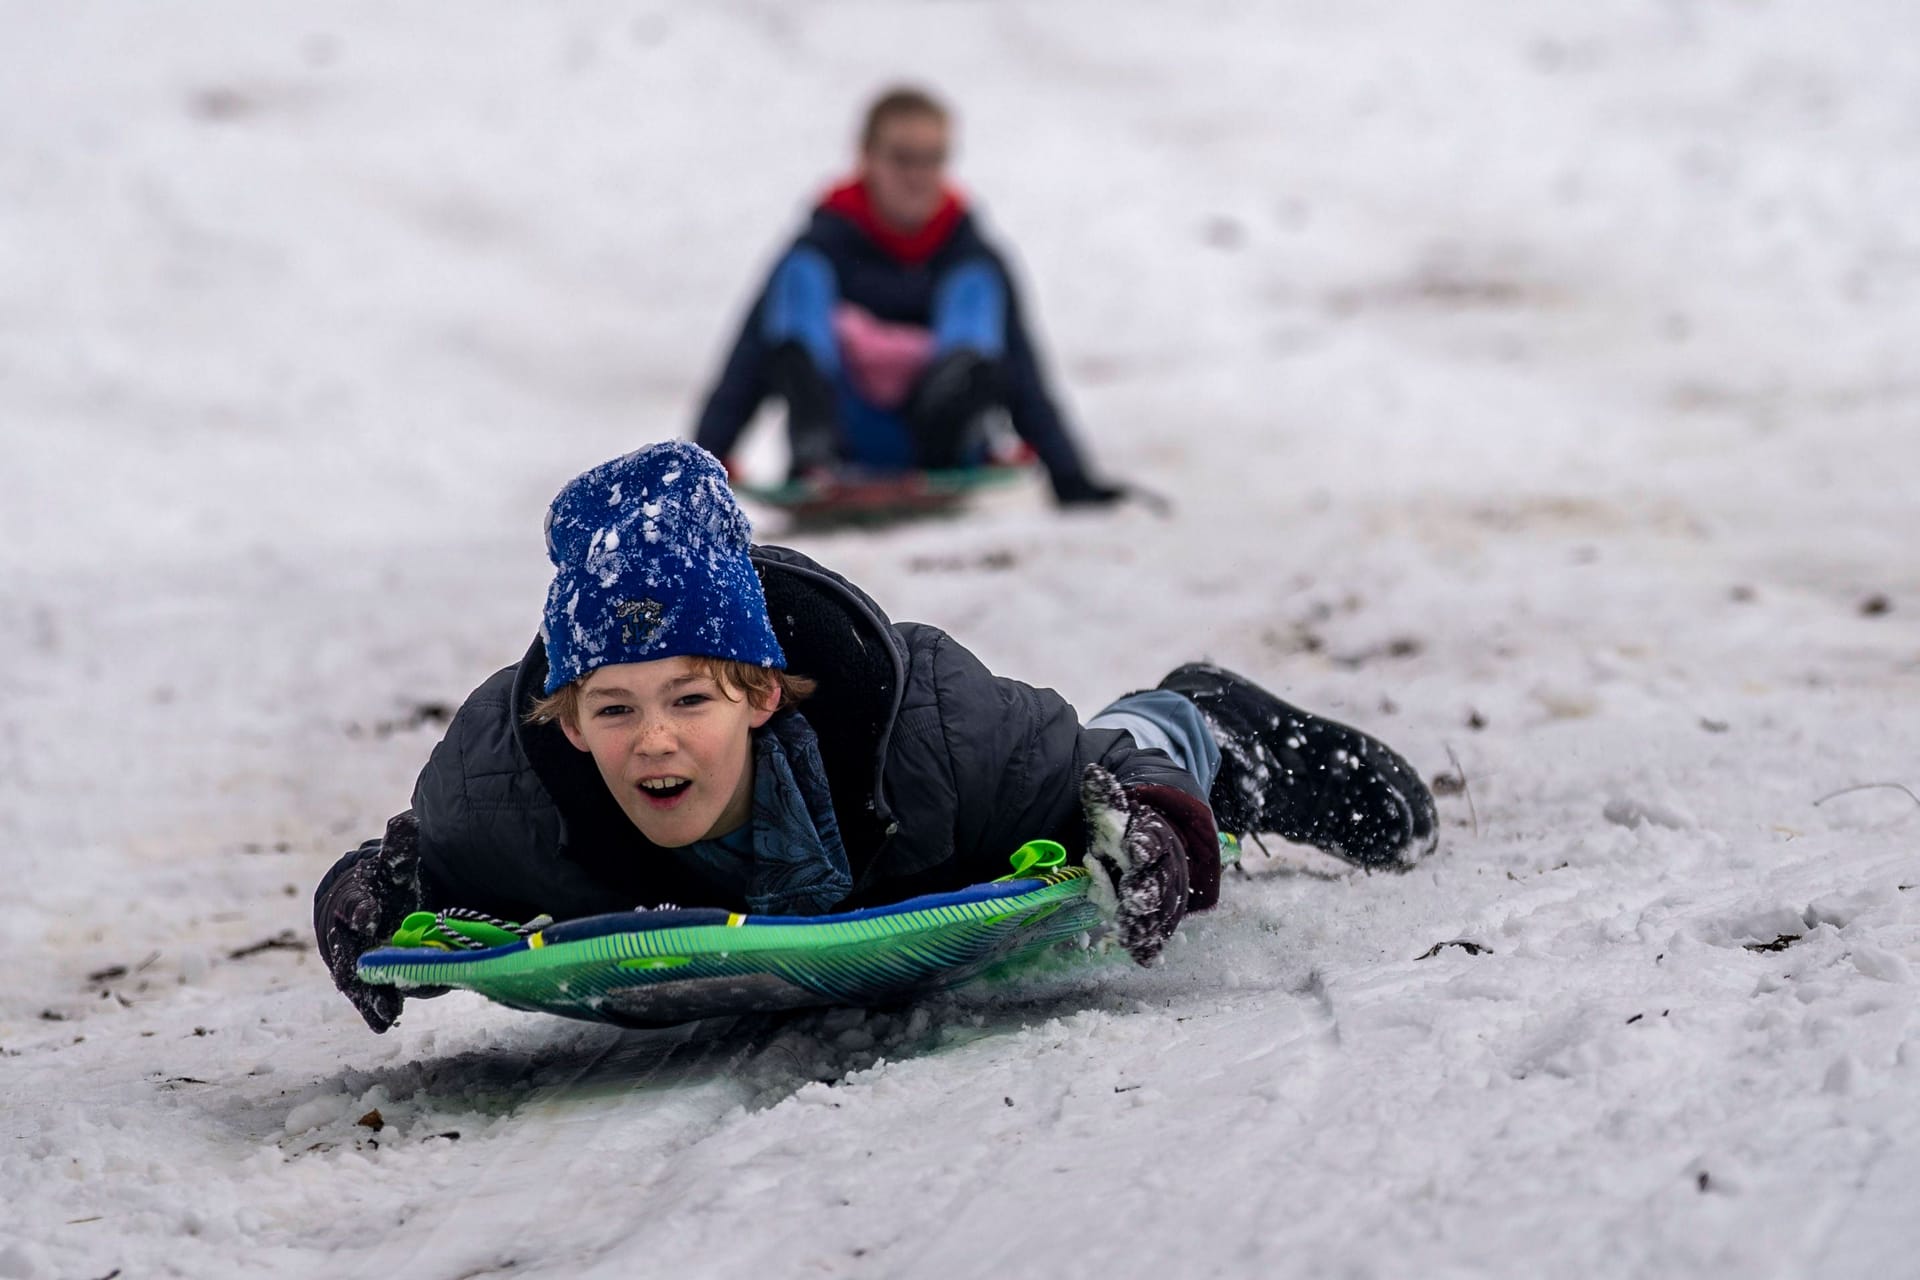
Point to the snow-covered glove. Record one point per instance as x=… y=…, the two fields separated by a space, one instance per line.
x=1138 y=863
x=359 y=909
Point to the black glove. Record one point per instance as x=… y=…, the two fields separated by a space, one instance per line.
x=360 y=908
x=1138 y=862
x=1080 y=491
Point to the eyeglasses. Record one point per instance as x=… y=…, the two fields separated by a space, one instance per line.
x=914 y=158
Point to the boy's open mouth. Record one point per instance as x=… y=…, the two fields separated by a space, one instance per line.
x=664 y=791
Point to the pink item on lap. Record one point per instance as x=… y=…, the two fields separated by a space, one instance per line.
x=881 y=359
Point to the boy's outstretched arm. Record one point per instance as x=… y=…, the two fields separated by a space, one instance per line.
x=1017 y=764
x=358 y=906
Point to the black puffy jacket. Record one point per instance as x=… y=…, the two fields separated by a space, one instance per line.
x=938 y=770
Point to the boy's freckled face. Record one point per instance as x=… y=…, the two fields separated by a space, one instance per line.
x=672 y=745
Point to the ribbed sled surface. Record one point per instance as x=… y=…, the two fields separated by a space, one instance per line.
x=655 y=968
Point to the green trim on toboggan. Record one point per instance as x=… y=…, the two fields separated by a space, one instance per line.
x=653 y=968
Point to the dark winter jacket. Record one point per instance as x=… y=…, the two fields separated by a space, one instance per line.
x=937 y=770
x=901 y=293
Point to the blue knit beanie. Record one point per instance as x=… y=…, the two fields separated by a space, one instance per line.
x=650 y=561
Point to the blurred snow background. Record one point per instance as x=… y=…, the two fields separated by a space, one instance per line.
x=1535 y=387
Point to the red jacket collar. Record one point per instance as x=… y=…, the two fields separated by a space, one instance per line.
x=851 y=201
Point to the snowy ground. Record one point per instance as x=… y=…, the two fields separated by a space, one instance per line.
x=1535 y=385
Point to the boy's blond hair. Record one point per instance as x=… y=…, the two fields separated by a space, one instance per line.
x=562 y=706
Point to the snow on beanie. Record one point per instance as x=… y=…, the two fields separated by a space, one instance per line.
x=650 y=561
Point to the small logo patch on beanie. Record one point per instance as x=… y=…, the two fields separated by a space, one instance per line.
x=640 y=621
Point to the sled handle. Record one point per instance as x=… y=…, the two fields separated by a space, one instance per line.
x=1045 y=855
x=1035 y=856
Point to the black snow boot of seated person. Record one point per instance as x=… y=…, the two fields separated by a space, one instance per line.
x=946 y=409
x=813 y=417
x=1305 y=779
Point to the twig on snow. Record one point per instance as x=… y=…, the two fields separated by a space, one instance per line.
x=1465 y=787
x=1868 y=786
x=285 y=940
x=1470 y=947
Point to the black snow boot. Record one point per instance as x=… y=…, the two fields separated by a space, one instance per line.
x=946 y=411
x=813 y=417
x=1305 y=779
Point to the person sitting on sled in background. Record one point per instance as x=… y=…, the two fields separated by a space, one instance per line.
x=891 y=328
x=710 y=723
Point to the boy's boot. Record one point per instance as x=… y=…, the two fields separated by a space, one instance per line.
x=1305 y=779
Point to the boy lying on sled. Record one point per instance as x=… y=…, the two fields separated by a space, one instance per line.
x=659 y=744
